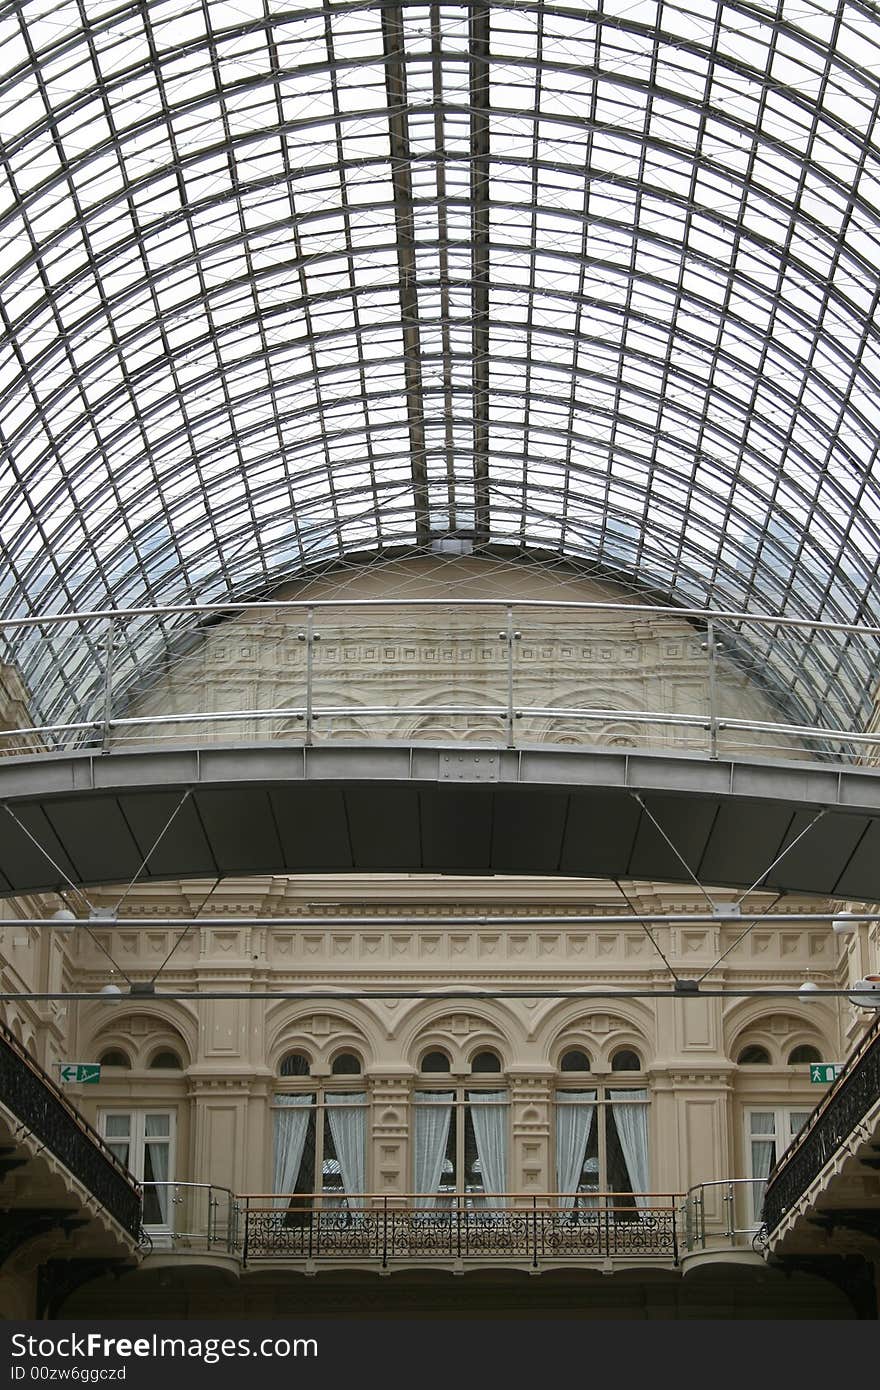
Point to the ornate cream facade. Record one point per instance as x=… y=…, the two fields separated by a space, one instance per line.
x=707 y=1065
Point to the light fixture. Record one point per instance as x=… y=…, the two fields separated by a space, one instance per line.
x=112 y=993
x=870 y=999
x=842 y=926
x=63 y=919
x=806 y=992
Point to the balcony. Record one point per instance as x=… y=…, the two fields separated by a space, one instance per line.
x=823 y=1196
x=717 y=1222
x=58 y=1177
x=402 y=1231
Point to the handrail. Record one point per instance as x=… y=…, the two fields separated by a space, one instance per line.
x=219 y=1228
x=849 y=1066
x=694 y=1210
x=862 y=1066
x=21 y=1051
x=386 y=1227
x=301 y=703
x=42 y=1109
x=528 y=1197
x=220 y=609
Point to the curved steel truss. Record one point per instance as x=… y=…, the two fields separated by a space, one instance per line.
x=281 y=284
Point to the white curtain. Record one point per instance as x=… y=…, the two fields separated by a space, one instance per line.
x=574 y=1117
x=489 y=1116
x=433 y=1113
x=631 y=1123
x=291 y=1127
x=156 y=1160
x=763 y=1155
x=348 y=1125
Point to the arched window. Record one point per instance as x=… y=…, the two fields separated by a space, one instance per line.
x=575 y=1060
x=346 y=1064
x=805 y=1054
x=486 y=1061
x=603 y=1147
x=754 y=1056
x=166 y=1060
x=625 y=1059
x=320 y=1138
x=295 y=1064
x=115 y=1057
x=435 y=1062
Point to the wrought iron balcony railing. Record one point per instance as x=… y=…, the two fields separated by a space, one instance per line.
x=850 y=1098
x=505 y=1227
x=42 y=1110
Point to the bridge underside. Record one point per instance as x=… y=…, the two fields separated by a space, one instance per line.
x=331 y=809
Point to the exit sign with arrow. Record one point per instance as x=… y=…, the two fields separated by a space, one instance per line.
x=86 y=1073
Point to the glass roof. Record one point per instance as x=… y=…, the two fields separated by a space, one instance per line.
x=285 y=284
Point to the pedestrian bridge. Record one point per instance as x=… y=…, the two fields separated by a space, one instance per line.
x=89 y=817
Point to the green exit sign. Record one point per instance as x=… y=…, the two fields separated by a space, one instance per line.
x=86 y=1073
x=823 y=1072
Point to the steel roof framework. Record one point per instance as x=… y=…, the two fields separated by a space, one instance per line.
x=283 y=285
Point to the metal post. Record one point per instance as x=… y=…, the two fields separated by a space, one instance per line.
x=728 y=1202
x=509 y=636
x=247 y=1228
x=108 y=684
x=534 y=1232
x=310 y=642
x=711 y=648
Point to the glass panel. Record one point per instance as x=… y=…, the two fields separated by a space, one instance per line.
x=473 y=1172
x=590 y=1181
x=449 y=1171
x=617 y=1175
x=648 y=349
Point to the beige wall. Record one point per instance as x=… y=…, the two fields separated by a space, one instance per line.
x=420 y=662
x=231 y=1050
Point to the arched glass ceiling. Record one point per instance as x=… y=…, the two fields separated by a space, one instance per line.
x=280 y=284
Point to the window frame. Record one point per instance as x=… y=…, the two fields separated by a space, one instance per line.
x=600 y=1088
x=782 y=1113
x=322 y=1091
x=137 y=1141
x=483 y=1082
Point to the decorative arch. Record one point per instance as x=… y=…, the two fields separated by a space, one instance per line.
x=752 y=1023
x=142 y=1033
x=567 y=1025
x=491 y=1026
x=321 y=1033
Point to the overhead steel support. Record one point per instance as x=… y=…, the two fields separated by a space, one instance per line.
x=281 y=288
x=95 y=818
x=401 y=176
x=480 y=185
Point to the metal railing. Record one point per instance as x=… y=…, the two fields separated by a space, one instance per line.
x=848 y=1100
x=491 y=671
x=195 y=1216
x=403 y=1228
x=707 y=1223
x=40 y=1108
